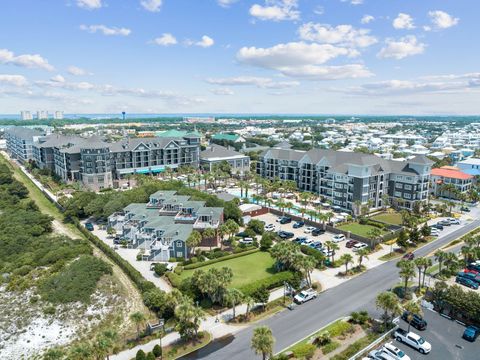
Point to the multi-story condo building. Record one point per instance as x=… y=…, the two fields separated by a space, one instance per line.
x=26 y=115
x=450 y=182
x=97 y=163
x=58 y=115
x=42 y=114
x=215 y=154
x=348 y=178
x=19 y=142
x=162 y=226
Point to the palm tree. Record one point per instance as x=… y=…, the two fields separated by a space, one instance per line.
x=233 y=297
x=375 y=234
x=262 y=341
x=322 y=217
x=289 y=206
x=241 y=184
x=362 y=254
x=357 y=206
x=334 y=247
x=249 y=302
x=193 y=240
x=388 y=302
x=209 y=234
x=346 y=259
x=306 y=264
x=138 y=319
x=440 y=257
x=467 y=253
x=407 y=271
x=451 y=261
x=419 y=263
x=427 y=263
x=413 y=309
x=304 y=197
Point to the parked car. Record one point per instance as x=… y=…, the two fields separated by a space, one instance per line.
x=242 y=234
x=309 y=229
x=269 y=227
x=89 y=226
x=408 y=256
x=300 y=239
x=304 y=296
x=316 y=245
x=453 y=221
x=380 y=354
x=444 y=223
x=437 y=226
x=398 y=354
x=338 y=238
x=471 y=333
x=434 y=232
x=298 y=224
x=474 y=266
x=414 y=340
x=471 y=271
x=469 y=275
x=116 y=240
x=285 y=235
x=466 y=282
x=318 y=232
x=327 y=252
x=465 y=209
x=351 y=243
x=284 y=220
x=168 y=266
x=417 y=321
x=359 y=246
x=246 y=241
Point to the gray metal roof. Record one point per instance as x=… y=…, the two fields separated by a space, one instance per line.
x=217 y=151
x=23 y=132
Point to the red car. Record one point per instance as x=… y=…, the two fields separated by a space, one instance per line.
x=351 y=243
x=409 y=256
x=471 y=271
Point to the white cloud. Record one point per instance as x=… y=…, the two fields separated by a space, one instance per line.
x=403 y=21
x=319 y=10
x=354 y=2
x=205 y=42
x=226 y=3
x=75 y=70
x=59 y=82
x=260 y=82
x=166 y=39
x=14 y=80
x=105 y=30
x=302 y=60
x=89 y=4
x=345 y=35
x=367 y=19
x=402 y=48
x=151 y=5
x=276 y=10
x=26 y=60
x=442 y=20
x=222 y=91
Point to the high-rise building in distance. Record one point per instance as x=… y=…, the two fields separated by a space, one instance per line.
x=58 y=115
x=26 y=115
x=42 y=114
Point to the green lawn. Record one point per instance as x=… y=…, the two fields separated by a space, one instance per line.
x=389 y=218
x=245 y=269
x=358 y=229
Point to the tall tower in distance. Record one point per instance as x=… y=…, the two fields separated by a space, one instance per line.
x=58 y=115
x=123 y=115
x=26 y=115
x=42 y=114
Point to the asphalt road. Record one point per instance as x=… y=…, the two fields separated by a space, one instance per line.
x=446 y=338
x=289 y=327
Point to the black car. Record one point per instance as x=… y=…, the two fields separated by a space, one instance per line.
x=417 y=321
x=116 y=240
x=285 y=235
x=437 y=226
x=242 y=234
x=317 y=232
x=285 y=220
x=465 y=209
x=298 y=224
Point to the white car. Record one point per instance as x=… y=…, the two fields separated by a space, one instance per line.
x=413 y=340
x=327 y=252
x=434 y=232
x=304 y=296
x=396 y=352
x=309 y=229
x=307 y=241
x=380 y=355
x=453 y=221
x=339 y=238
x=359 y=246
x=269 y=227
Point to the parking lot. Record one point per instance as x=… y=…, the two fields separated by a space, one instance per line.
x=445 y=336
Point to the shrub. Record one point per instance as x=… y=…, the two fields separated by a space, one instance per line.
x=151 y=356
x=269 y=283
x=256 y=225
x=160 y=269
x=359 y=317
x=157 y=350
x=174 y=279
x=319 y=257
x=232 y=256
x=140 y=355
x=267 y=240
x=328 y=348
x=303 y=351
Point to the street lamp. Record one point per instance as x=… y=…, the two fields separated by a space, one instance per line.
x=161 y=323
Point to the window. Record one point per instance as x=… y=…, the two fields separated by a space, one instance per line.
x=398 y=185
x=398 y=194
x=408 y=187
x=407 y=196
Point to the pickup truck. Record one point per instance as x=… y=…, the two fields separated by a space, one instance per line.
x=413 y=340
x=305 y=295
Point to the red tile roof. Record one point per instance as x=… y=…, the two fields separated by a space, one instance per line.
x=453 y=173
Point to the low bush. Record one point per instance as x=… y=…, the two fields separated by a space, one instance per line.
x=160 y=269
x=209 y=262
x=331 y=346
x=174 y=279
x=157 y=351
x=303 y=351
x=140 y=355
x=271 y=282
x=319 y=257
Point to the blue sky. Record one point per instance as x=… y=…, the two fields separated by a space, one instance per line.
x=240 y=56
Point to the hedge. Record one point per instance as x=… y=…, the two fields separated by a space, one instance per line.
x=319 y=257
x=214 y=261
x=175 y=279
x=137 y=278
x=276 y=280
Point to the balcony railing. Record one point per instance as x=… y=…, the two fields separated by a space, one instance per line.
x=204 y=224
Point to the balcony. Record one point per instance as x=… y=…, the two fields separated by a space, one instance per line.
x=190 y=218
x=199 y=224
